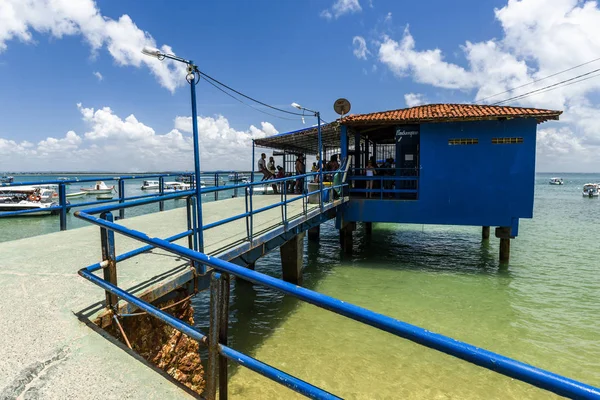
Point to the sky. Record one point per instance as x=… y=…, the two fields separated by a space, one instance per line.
x=77 y=94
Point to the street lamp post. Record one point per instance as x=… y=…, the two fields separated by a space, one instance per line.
x=320 y=150
x=193 y=77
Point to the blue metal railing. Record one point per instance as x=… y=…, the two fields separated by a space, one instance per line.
x=540 y=378
x=389 y=180
x=216 y=340
x=63 y=206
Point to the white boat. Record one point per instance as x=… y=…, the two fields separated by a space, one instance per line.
x=76 y=195
x=20 y=198
x=99 y=188
x=590 y=190
x=7 y=179
x=556 y=181
x=238 y=178
x=150 y=185
x=178 y=186
x=104 y=196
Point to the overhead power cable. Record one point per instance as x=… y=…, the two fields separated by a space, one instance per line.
x=539 y=80
x=208 y=77
x=248 y=105
x=554 y=85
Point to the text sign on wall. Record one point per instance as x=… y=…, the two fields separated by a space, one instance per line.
x=408 y=134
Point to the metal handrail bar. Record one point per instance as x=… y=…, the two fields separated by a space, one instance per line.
x=84 y=180
x=135 y=203
x=140 y=250
x=382 y=178
x=266 y=370
x=114 y=178
x=515 y=369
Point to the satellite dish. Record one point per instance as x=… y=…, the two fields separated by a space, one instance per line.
x=341 y=106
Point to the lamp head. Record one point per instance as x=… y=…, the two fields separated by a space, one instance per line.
x=296 y=105
x=152 y=52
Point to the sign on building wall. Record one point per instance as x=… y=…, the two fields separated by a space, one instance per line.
x=408 y=134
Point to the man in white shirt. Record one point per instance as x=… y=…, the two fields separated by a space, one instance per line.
x=262 y=167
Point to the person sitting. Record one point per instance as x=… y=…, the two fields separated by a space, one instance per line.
x=262 y=167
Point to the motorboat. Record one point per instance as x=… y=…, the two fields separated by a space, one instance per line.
x=185 y=178
x=99 y=188
x=76 y=195
x=556 y=181
x=19 y=198
x=590 y=190
x=150 y=185
x=237 y=178
x=7 y=179
x=178 y=186
x=104 y=196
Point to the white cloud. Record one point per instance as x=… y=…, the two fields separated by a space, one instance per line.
x=128 y=145
x=414 y=99
x=122 y=38
x=426 y=66
x=341 y=7
x=360 y=47
x=539 y=38
x=98 y=75
x=326 y=14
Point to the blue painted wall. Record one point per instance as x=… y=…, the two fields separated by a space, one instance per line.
x=481 y=184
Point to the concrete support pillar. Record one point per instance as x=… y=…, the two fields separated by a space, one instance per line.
x=346 y=238
x=504 y=251
x=368 y=227
x=314 y=233
x=485 y=233
x=504 y=234
x=291 y=259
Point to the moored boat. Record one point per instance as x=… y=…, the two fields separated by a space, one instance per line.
x=7 y=179
x=556 y=181
x=99 y=188
x=104 y=196
x=237 y=178
x=590 y=190
x=76 y=195
x=19 y=198
x=150 y=185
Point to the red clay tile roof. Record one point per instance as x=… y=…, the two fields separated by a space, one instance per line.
x=450 y=113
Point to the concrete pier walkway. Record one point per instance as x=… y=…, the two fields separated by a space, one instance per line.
x=49 y=347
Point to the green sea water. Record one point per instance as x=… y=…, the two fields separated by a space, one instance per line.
x=543 y=309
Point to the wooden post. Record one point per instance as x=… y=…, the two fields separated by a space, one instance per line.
x=368 y=227
x=346 y=238
x=291 y=259
x=485 y=233
x=504 y=251
x=504 y=234
x=314 y=233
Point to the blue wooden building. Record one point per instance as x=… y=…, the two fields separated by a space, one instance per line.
x=454 y=164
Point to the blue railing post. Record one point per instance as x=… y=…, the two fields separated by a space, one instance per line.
x=235 y=190
x=161 y=192
x=285 y=184
x=109 y=258
x=62 y=201
x=216 y=185
x=247 y=189
x=121 y=185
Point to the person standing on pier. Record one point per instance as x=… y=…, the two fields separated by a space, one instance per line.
x=271 y=167
x=370 y=172
x=299 y=171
